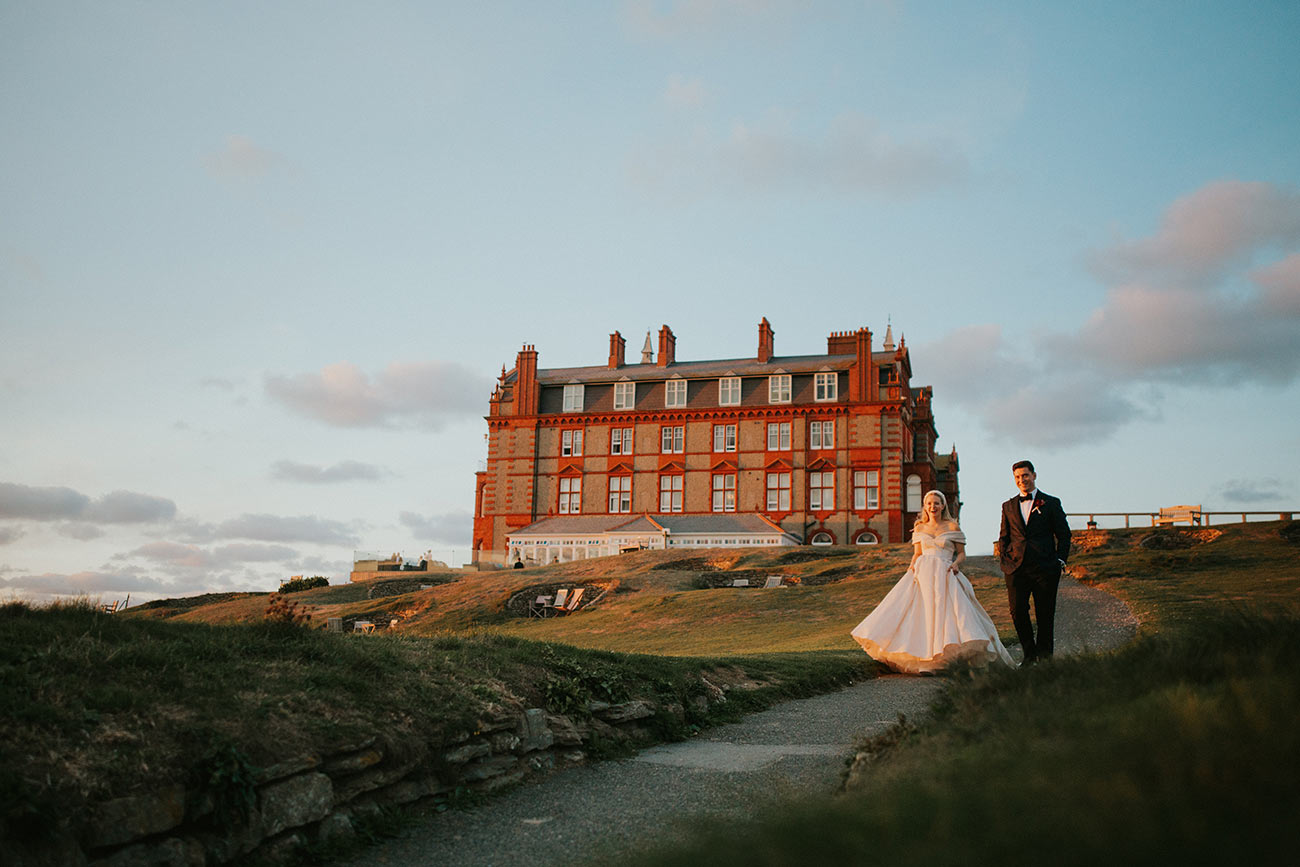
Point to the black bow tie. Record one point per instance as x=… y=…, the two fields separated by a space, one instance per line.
x=1024 y=497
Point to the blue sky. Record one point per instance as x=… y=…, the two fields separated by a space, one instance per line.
x=261 y=263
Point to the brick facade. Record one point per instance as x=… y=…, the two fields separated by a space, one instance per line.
x=775 y=424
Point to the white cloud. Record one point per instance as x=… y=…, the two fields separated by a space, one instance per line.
x=276 y=528
x=344 y=471
x=10 y=534
x=454 y=528
x=854 y=156
x=685 y=93
x=1253 y=491
x=241 y=159
x=65 y=504
x=422 y=394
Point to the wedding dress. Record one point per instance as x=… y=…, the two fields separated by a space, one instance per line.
x=931 y=617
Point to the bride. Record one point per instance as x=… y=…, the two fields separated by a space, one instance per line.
x=931 y=618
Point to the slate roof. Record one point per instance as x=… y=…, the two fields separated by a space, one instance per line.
x=577 y=525
x=702 y=369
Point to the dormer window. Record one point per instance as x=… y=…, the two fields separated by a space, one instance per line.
x=624 y=395
x=729 y=391
x=675 y=393
x=573 y=398
x=827 y=387
x=778 y=388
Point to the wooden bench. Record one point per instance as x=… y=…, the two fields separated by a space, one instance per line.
x=1170 y=515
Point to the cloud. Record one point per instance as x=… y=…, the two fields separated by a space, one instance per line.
x=1253 y=491
x=344 y=471
x=84 y=583
x=420 y=394
x=240 y=159
x=80 y=531
x=854 y=156
x=454 y=528
x=276 y=528
x=65 y=504
x=178 y=555
x=1187 y=305
x=1205 y=234
x=9 y=535
x=684 y=93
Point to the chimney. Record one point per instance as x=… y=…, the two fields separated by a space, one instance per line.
x=764 y=341
x=526 y=388
x=667 y=346
x=617 y=345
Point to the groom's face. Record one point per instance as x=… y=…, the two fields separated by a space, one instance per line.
x=1025 y=479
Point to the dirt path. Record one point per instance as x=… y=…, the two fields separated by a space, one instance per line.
x=738 y=770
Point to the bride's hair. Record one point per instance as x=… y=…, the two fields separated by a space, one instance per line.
x=946 y=516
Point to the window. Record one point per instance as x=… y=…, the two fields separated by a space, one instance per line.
x=821 y=491
x=821 y=434
x=673 y=440
x=620 y=441
x=620 y=493
x=778 y=388
x=675 y=392
x=729 y=391
x=822 y=540
x=571 y=443
x=778 y=436
x=866 y=489
x=724 y=437
x=866 y=537
x=778 y=492
x=913 y=493
x=571 y=495
x=573 y=398
x=827 y=386
x=624 y=395
x=724 y=493
x=670 y=493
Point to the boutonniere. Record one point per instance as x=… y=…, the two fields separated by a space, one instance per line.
x=1038 y=505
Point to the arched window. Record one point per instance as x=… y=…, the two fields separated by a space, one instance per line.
x=866 y=537
x=913 y=493
x=822 y=539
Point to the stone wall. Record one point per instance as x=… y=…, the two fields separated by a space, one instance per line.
x=317 y=798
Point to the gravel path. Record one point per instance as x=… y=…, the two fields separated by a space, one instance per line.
x=737 y=770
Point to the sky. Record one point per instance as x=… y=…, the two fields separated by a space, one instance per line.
x=261 y=263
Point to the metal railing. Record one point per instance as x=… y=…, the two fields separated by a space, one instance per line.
x=1156 y=518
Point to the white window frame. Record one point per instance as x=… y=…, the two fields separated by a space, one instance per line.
x=624 y=395
x=620 y=494
x=620 y=441
x=724 y=492
x=778 y=492
x=571 y=443
x=821 y=491
x=826 y=387
x=729 y=391
x=821 y=435
x=570 y=495
x=724 y=437
x=778 y=388
x=672 y=439
x=671 y=489
x=778 y=436
x=915 y=495
x=675 y=393
x=573 y=398
x=822 y=539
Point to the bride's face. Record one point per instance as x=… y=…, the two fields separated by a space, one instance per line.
x=933 y=508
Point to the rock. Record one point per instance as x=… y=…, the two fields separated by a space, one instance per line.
x=497 y=718
x=534 y=732
x=122 y=820
x=367 y=781
x=505 y=742
x=296 y=801
x=288 y=768
x=563 y=730
x=627 y=711
x=358 y=761
x=172 y=852
x=493 y=766
x=596 y=707
x=460 y=755
x=336 y=828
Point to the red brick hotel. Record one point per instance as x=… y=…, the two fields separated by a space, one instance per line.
x=833 y=449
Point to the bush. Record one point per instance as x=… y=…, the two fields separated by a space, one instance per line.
x=297 y=584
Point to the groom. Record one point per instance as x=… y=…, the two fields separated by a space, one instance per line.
x=1033 y=543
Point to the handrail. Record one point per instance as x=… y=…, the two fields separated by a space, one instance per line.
x=1155 y=516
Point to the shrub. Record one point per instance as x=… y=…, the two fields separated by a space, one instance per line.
x=294 y=585
x=287 y=612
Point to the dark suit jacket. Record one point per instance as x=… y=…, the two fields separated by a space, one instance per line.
x=1038 y=546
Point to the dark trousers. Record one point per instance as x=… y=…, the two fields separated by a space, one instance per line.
x=1041 y=587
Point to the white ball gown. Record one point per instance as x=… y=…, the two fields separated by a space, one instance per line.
x=931 y=617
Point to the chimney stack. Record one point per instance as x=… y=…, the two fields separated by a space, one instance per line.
x=667 y=347
x=617 y=346
x=765 y=334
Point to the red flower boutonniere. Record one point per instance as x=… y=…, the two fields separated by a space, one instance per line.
x=1038 y=505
